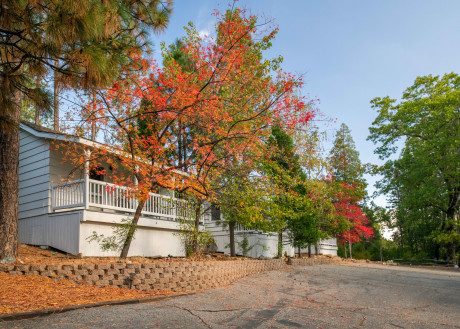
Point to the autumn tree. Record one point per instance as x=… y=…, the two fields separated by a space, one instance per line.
x=423 y=182
x=85 y=42
x=348 y=174
x=225 y=105
x=245 y=198
x=316 y=216
x=348 y=207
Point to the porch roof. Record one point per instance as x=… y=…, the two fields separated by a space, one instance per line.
x=43 y=132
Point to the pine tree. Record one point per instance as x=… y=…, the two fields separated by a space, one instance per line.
x=348 y=172
x=86 y=42
x=344 y=158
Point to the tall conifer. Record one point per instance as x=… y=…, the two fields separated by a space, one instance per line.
x=85 y=41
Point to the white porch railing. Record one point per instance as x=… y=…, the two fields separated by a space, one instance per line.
x=242 y=228
x=111 y=196
x=68 y=195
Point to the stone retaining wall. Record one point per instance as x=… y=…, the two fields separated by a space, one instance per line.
x=173 y=276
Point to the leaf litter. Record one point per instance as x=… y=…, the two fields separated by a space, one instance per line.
x=22 y=293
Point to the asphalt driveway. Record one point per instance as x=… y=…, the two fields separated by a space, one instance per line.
x=342 y=296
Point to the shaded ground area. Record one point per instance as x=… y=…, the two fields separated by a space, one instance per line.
x=347 y=296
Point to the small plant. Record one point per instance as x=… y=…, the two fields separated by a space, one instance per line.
x=189 y=235
x=246 y=248
x=115 y=241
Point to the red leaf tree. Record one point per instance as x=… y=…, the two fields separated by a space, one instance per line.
x=178 y=126
x=348 y=207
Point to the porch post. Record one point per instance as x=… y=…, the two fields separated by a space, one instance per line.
x=174 y=202
x=136 y=184
x=87 y=156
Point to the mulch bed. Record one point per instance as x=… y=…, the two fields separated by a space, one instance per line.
x=31 y=255
x=21 y=293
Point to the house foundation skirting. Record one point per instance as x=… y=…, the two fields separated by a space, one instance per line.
x=172 y=276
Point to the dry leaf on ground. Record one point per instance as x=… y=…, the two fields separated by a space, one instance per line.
x=21 y=293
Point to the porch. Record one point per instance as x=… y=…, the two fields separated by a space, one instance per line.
x=95 y=195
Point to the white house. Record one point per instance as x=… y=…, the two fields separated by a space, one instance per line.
x=63 y=214
x=262 y=244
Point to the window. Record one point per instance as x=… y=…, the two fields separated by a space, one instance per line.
x=215 y=212
x=96 y=174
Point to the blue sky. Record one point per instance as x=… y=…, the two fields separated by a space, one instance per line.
x=348 y=51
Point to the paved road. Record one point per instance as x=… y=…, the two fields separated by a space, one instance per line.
x=351 y=296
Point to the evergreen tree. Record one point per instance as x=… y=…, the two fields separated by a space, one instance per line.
x=344 y=158
x=348 y=173
x=86 y=42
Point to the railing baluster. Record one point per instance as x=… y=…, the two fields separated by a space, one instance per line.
x=72 y=194
x=64 y=197
x=71 y=188
x=124 y=199
x=110 y=195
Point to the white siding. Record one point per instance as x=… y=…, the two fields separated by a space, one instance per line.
x=221 y=235
x=61 y=169
x=263 y=245
x=325 y=247
x=152 y=238
x=57 y=230
x=34 y=193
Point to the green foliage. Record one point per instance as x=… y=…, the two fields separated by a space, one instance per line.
x=283 y=170
x=423 y=181
x=120 y=233
x=371 y=250
x=344 y=159
x=244 y=245
x=190 y=236
x=304 y=230
x=86 y=42
x=304 y=203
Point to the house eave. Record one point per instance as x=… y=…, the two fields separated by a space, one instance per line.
x=60 y=137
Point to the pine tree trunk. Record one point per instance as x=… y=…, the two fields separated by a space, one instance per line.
x=37 y=110
x=56 y=100
x=300 y=255
x=9 y=182
x=381 y=250
x=349 y=247
x=316 y=249
x=309 y=250
x=345 y=249
x=93 y=119
x=231 y=228
x=37 y=116
x=132 y=230
x=280 y=244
